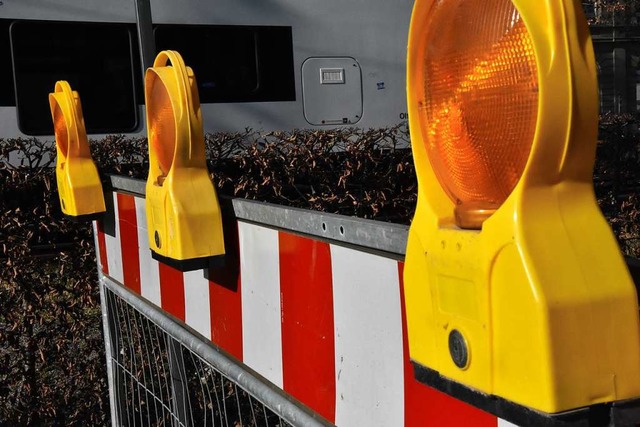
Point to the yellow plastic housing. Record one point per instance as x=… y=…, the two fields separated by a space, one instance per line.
x=183 y=214
x=540 y=293
x=79 y=185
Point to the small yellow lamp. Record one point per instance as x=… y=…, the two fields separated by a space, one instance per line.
x=79 y=185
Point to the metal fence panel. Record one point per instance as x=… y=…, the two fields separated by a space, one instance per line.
x=164 y=374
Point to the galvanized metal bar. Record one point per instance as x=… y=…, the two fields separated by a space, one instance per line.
x=109 y=355
x=381 y=236
x=368 y=234
x=134 y=186
x=106 y=330
x=285 y=406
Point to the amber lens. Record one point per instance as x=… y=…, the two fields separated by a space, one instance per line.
x=480 y=102
x=60 y=130
x=162 y=129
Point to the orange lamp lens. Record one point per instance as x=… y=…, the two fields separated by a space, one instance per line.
x=480 y=104
x=162 y=128
x=60 y=130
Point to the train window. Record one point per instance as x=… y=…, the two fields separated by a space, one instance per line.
x=7 y=96
x=96 y=59
x=235 y=63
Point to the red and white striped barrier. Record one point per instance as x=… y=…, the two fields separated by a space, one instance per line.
x=321 y=321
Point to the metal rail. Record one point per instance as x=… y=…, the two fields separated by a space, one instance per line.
x=165 y=373
x=363 y=233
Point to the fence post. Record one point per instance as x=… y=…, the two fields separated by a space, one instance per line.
x=179 y=386
x=109 y=327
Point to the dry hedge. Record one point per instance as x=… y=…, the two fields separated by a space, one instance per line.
x=617 y=178
x=365 y=173
x=51 y=351
x=52 y=366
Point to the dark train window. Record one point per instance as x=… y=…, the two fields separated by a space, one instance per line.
x=235 y=63
x=96 y=59
x=7 y=96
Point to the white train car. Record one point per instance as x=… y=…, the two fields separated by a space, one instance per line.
x=266 y=65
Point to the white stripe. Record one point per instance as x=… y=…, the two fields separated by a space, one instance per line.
x=114 y=249
x=368 y=339
x=261 y=321
x=149 y=268
x=503 y=423
x=196 y=302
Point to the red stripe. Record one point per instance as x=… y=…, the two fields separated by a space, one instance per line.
x=308 y=349
x=129 y=241
x=172 y=291
x=102 y=247
x=225 y=300
x=423 y=404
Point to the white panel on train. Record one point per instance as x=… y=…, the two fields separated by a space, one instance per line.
x=332 y=91
x=70 y=10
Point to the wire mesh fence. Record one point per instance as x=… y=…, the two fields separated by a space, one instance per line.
x=163 y=375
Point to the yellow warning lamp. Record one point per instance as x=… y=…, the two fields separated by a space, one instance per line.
x=517 y=295
x=183 y=213
x=79 y=185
